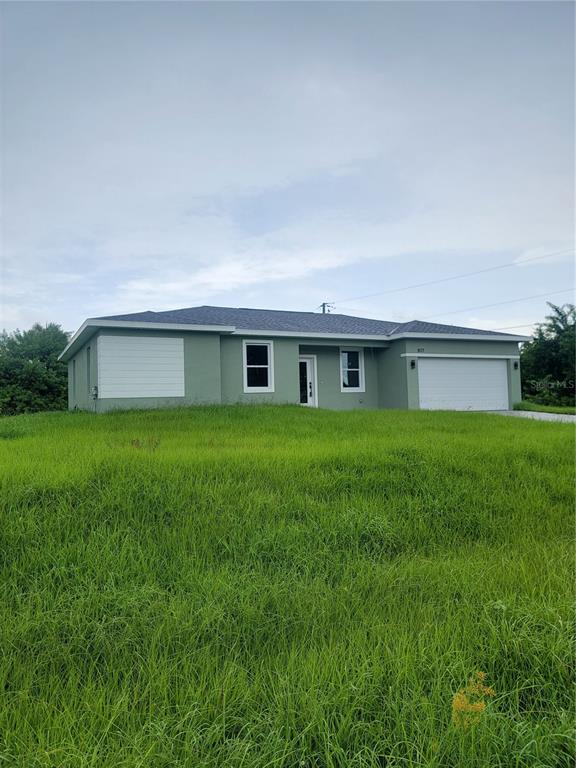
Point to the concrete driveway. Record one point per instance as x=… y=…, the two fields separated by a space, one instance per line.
x=565 y=417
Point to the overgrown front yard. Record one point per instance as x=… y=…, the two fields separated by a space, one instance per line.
x=527 y=405
x=276 y=586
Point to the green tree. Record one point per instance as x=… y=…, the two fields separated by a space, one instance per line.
x=548 y=361
x=31 y=376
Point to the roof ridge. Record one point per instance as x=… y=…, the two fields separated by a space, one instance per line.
x=256 y=309
x=259 y=309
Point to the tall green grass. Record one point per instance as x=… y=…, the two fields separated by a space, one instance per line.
x=528 y=405
x=276 y=586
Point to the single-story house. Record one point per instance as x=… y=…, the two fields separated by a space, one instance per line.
x=225 y=355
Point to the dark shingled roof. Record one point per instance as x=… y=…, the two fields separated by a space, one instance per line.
x=422 y=326
x=298 y=322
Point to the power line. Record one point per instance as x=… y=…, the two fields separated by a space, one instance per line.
x=509 y=327
x=363 y=313
x=498 y=303
x=565 y=251
x=505 y=328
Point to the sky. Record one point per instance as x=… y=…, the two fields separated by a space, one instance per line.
x=159 y=155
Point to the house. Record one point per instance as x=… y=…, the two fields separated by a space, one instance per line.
x=225 y=355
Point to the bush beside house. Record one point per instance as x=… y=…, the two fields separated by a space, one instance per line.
x=548 y=361
x=31 y=376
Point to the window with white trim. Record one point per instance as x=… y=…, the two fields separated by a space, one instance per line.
x=352 y=370
x=258 y=366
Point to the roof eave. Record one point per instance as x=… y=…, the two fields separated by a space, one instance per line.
x=312 y=335
x=460 y=336
x=80 y=337
x=90 y=326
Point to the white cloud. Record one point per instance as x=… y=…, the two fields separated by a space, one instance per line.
x=122 y=176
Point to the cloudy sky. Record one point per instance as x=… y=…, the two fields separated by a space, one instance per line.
x=163 y=155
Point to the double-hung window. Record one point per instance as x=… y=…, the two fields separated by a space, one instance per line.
x=352 y=370
x=258 y=366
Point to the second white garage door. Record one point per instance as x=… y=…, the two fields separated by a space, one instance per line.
x=463 y=385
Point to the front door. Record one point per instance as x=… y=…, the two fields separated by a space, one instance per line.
x=308 y=395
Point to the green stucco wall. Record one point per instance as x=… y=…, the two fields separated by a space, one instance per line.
x=201 y=374
x=202 y=368
x=392 y=377
x=449 y=347
x=213 y=371
x=82 y=377
x=328 y=374
x=286 y=387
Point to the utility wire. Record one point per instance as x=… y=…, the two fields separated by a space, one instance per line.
x=505 y=328
x=498 y=303
x=565 y=251
x=362 y=312
x=509 y=327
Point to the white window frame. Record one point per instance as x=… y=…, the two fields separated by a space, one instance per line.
x=362 y=381
x=265 y=343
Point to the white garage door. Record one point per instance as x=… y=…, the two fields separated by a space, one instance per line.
x=140 y=366
x=463 y=385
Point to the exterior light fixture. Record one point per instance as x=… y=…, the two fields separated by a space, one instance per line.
x=412 y=364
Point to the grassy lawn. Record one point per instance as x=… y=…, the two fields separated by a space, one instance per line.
x=526 y=405
x=282 y=587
